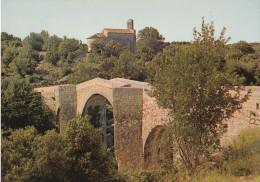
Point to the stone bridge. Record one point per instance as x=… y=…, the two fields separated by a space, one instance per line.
x=139 y=123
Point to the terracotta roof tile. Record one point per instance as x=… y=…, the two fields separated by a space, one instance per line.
x=117 y=30
x=97 y=35
x=100 y=35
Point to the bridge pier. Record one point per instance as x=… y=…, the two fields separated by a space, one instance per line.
x=128 y=104
x=66 y=104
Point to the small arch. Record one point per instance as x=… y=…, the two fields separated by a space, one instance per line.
x=156 y=148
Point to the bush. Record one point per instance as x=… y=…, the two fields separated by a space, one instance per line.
x=148 y=176
x=21 y=106
x=52 y=57
x=242 y=157
x=76 y=155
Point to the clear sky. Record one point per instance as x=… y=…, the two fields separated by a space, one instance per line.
x=174 y=19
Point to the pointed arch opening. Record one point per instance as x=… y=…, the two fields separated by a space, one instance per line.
x=100 y=111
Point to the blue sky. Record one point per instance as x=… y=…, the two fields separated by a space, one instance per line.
x=174 y=19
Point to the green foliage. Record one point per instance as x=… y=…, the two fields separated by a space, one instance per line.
x=45 y=36
x=18 y=162
x=196 y=92
x=9 y=51
x=242 y=157
x=148 y=176
x=238 y=162
x=149 y=43
x=21 y=106
x=244 y=47
x=243 y=64
x=85 y=152
x=256 y=47
x=34 y=40
x=93 y=112
x=67 y=46
x=167 y=54
x=113 y=48
x=23 y=66
x=27 y=51
x=97 y=47
x=76 y=155
x=124 y=67
x=110 y=62
x=107 y=67
x=52 y=57
x=9 y=40
x=83 y=72
x=8 y=55
x=52 y=43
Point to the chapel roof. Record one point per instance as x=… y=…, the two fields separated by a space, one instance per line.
x=97 y=35
x=110 y=30
x=118 y=30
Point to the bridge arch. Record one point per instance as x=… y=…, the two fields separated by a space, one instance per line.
x=97 y=98
x=156 y=148
x=86 y=90
x=101 y=115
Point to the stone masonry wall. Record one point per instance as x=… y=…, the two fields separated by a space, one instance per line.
x=67 y=103
x=247 y=117
x=153 y=116
x=128 y=103
x=49 y=96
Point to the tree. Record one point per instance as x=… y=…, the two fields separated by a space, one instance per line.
x=107 y=67
x=167 y=53
x=6 y=36
x=52 y=57
x=83 y=72
x=26 y=51
x=124 y=67
x=52 y=43
x=8 y=55
x=21 y=106
x=66 y=46
x=34 y=40
x=76 y=155
x=113 y=48
x=45 y=36
x=97 y=47
x=17 y=160
x=244 y=47
x=196 y=93
x=86 y=153
x=149 y=43
x=242 y=63
x=23 y=66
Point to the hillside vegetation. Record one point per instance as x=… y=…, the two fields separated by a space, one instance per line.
x=50 y=60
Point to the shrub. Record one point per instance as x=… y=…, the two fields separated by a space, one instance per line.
x=76 y=155
x=242 y=157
